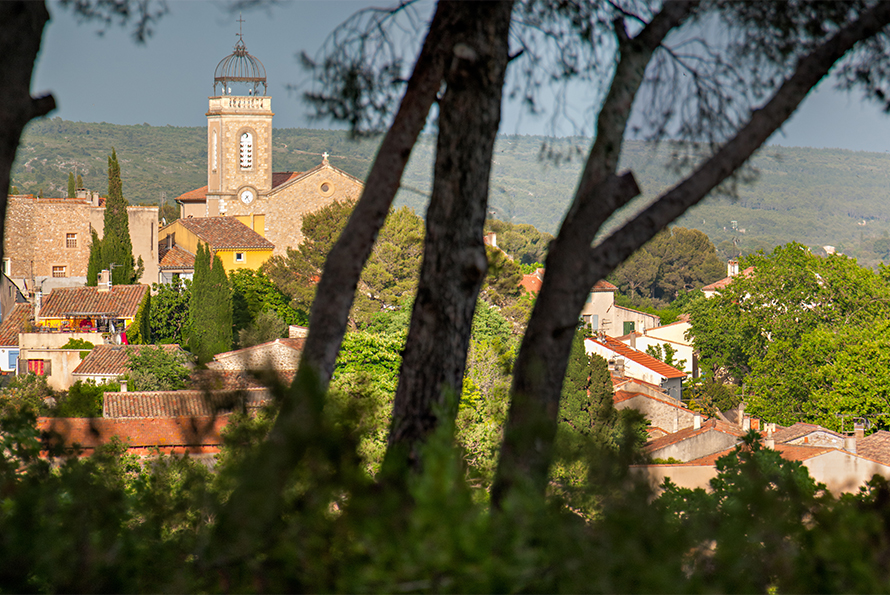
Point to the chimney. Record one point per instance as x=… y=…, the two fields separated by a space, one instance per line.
x=858 y=430
x=94 y=198
x=741 y=416
x=732 y=268
x=82 y=193
x=619 y=367
x=104 y=281
x=696 y=421
x=746 y=423
x=769 y=443
x=755 y=423
x=123 y=385
x=770 y=428
x=38 y=302
x=850 y=444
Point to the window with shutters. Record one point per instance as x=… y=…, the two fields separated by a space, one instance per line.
x=246 y=153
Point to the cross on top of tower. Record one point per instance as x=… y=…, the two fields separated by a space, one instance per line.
x=240 y=21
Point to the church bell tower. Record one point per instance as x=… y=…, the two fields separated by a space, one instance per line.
x=239 y=135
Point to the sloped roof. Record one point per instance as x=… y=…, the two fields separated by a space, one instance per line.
x=623 y=395
x=121 y=302
x=711 y=425
x=137 y=433
x=604 y=286
x=175 y=257
x=640 y=357
x=214 y=379
x=200 y=194
x=876 y=446
x=14 y=323
x=221 y=233
x=295 y=344
x=789 y=452
x=112 y=360
x=798 y=430
x=531 y=283
x=722 y=283
x=192 y=403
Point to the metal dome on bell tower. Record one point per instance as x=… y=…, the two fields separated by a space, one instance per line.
x=241 y=68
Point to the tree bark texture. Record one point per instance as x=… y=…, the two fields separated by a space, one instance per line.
x=573 y=266
x=21 y=29
x=454 y=261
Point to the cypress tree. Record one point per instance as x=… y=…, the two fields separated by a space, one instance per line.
x=210 y=307
x=95 y=263
x=117 y=248
x=574 y=406
x=79 y=181
x=71 y=184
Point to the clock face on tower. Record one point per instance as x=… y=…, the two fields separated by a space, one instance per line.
x=247 y=195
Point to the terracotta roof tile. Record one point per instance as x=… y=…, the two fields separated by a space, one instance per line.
x=876 y=446
x=14 y=323
x=191 y=403
x=175 y=257
x=722 y=283
x=200 y=194
x=789 y=452
x=222 y=233
x=797 y=430
x=107 y=360
x=197 y=195
x=137 y=433
x=531 y=283
x=640 y=357
x=604 y=286
x=710 y=425
x=121 y=302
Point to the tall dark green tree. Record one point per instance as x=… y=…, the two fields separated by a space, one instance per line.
x=71 y=187
x=210 y=307
x=79 y=181
x=115 y=248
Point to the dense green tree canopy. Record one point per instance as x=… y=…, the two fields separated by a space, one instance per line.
x=210 y=307
x=115 y=250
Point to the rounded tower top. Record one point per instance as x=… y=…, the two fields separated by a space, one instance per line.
x=241 y=68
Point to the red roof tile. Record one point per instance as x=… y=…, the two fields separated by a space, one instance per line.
x=789 y=452
x=108 y=360
x=531 y=283
x=222 y=233
x=718 y=285
x=191 y=403
x=711 y=425
x=604 y=286
x=876 y=446
x=121 y=302
x=799 y=429
x=197 y=195
x=182 y=432
x=14 y=323
x=640 y=357
x=200 y=194
x=175 y=257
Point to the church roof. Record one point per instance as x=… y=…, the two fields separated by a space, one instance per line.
x=222 y=233
x=200 y=194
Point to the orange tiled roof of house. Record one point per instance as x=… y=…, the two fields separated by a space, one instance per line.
x=789 y=452
x=200 y=194
x=799 y=429
x=712 y=424
x=531 y=283
x=640 y=357
x=179 y=403
x=121 y=302
x=175 y=257
x=604 y=286
x=875 y=446
x=222 y=233
x=108 y=360
x=14 y=323
x=722 y=283
x=174 y=434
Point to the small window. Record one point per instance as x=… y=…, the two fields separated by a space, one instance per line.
x=71 y=240
x=239 y=256
x=59 y=271
x=629 y=327
x=7 y=266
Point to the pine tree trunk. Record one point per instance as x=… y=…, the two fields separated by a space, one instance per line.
x=454 y=261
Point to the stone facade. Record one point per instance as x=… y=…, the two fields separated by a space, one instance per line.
x=241 y=182
x=50 y=237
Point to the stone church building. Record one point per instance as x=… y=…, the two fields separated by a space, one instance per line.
x=241 y=182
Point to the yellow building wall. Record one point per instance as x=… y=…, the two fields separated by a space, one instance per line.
x=183 y=238
x=253 y=259
x=254 y=222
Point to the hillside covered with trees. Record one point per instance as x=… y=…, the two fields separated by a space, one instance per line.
x=817 y=197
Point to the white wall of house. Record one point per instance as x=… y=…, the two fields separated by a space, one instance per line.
x=684 y=351
x=632 y=369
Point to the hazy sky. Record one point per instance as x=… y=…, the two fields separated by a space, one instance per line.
x=167 y=81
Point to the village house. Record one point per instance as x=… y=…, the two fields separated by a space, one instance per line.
x=47 y=240
x=603 y=316
x=110 y=363
x=237 y=245
x=671 y=336
x=631 y=363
